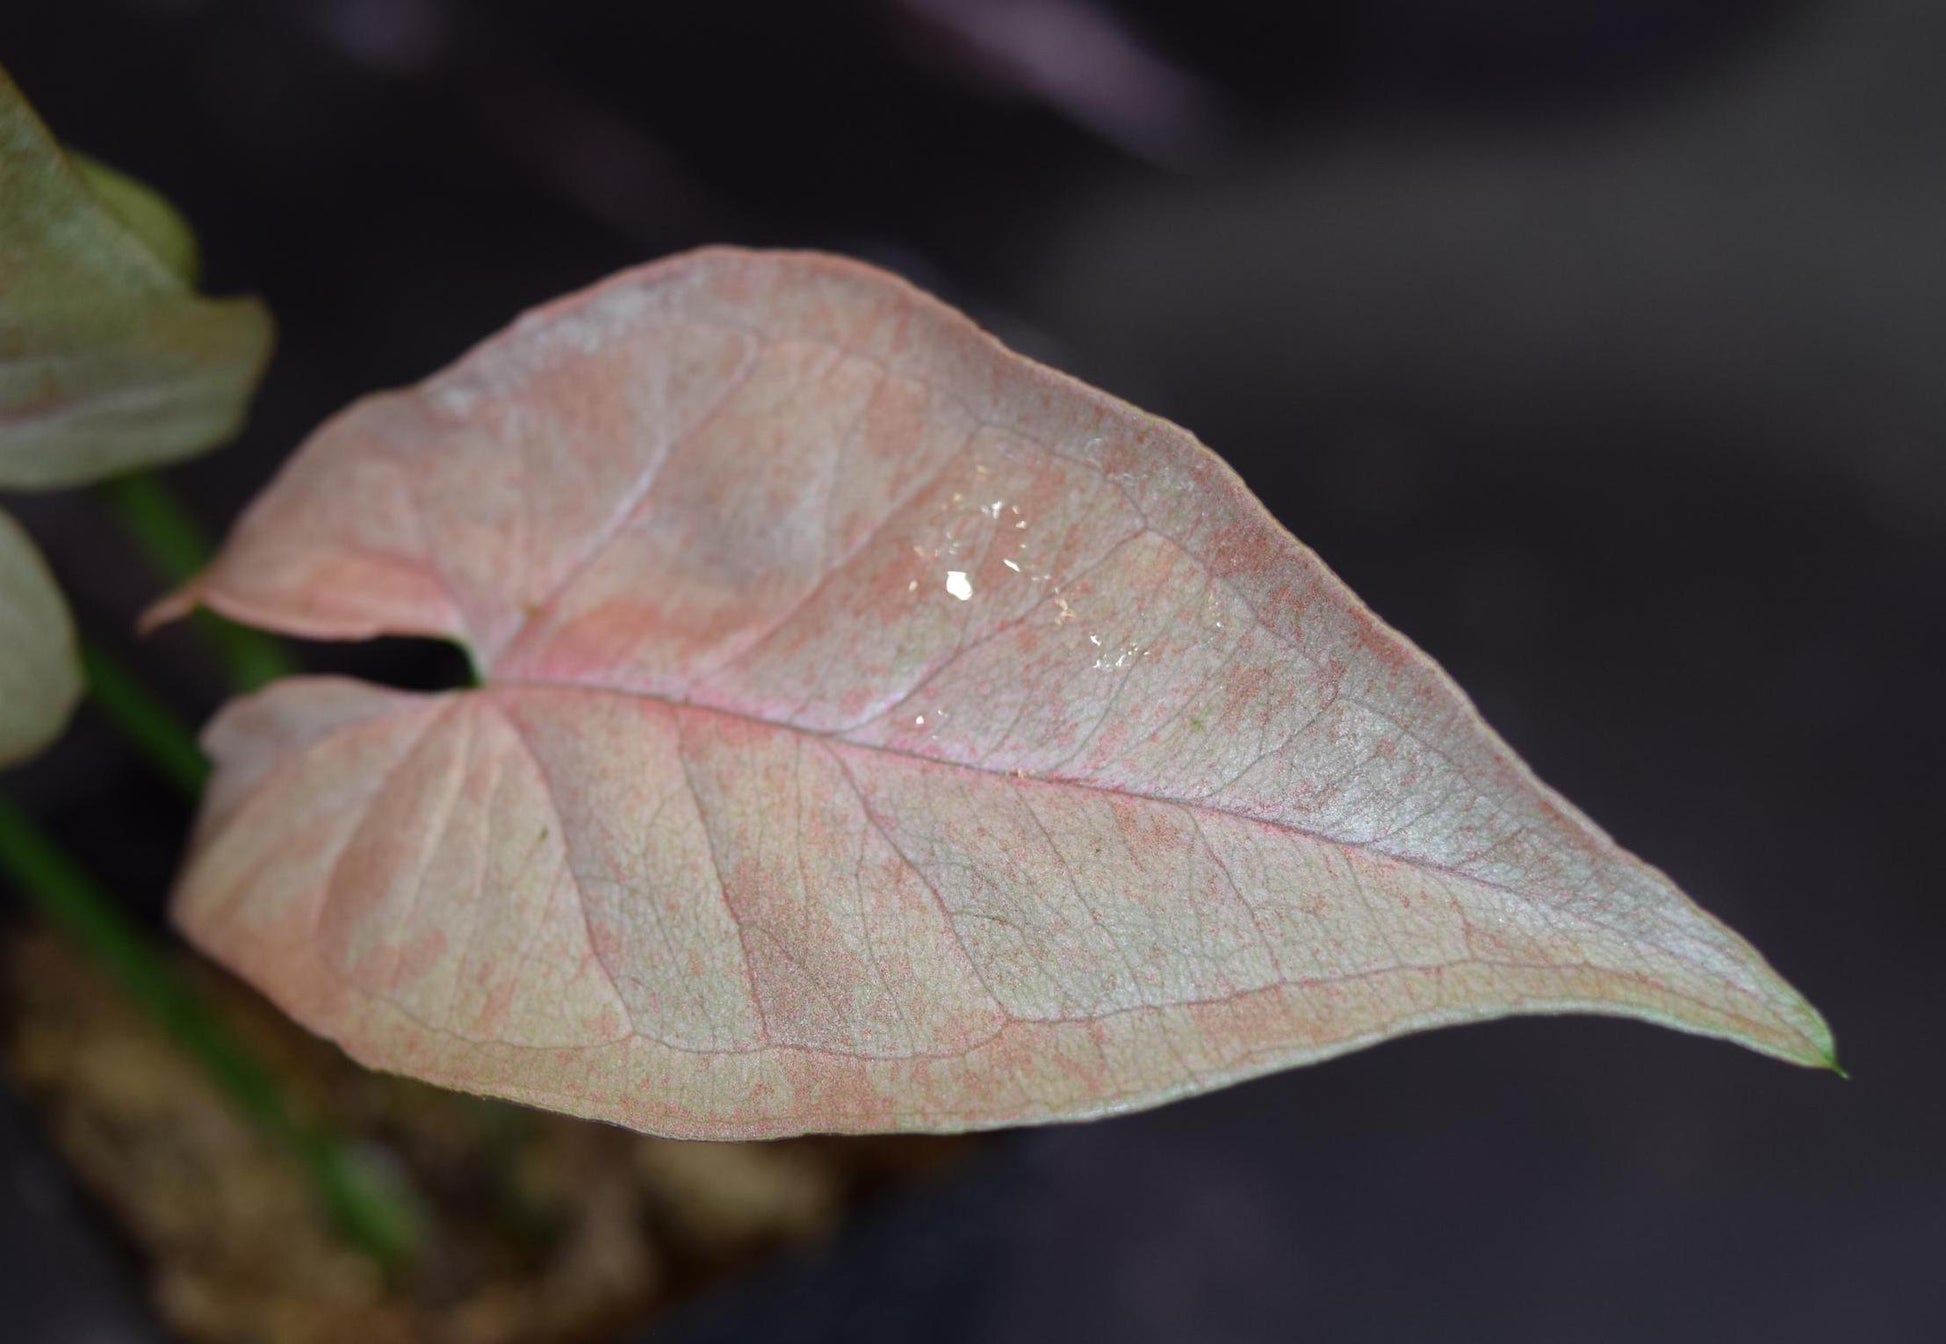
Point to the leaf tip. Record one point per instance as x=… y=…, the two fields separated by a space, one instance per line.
x=172 y=607
x=1828 y=1052
x=1820 y=1047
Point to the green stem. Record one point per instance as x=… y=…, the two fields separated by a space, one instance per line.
x=370 y=1206
x=145 y=721
x=375 y=1209
x=173 y=543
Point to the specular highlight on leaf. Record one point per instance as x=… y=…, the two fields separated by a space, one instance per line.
x=878 y=730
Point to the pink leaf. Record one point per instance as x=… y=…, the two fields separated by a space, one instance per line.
x=877 y=731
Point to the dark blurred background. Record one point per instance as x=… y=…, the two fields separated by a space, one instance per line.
x=1599 y=344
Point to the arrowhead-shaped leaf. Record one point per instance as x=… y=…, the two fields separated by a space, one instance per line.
x=108 y=358
x=40 y=677
x=878 y=730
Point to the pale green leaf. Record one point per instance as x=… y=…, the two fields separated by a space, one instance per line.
x=143 y=213
x=109 y=360
x=40 y=678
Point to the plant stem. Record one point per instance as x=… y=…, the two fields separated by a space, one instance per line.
x=176 y=547
x=148 y=724
x=375 y=1209
x=370 y=1206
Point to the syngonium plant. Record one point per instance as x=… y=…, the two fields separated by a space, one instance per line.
x=109 y=361
x=874 y=730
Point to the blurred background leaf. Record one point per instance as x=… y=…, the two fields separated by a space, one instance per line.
x=109 y=360
x=39 y=678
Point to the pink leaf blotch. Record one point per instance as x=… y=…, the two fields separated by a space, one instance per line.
x=877 y=730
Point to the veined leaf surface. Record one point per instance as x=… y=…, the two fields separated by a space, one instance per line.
x=40 y=677
x=877 y=730
x=109 y=360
